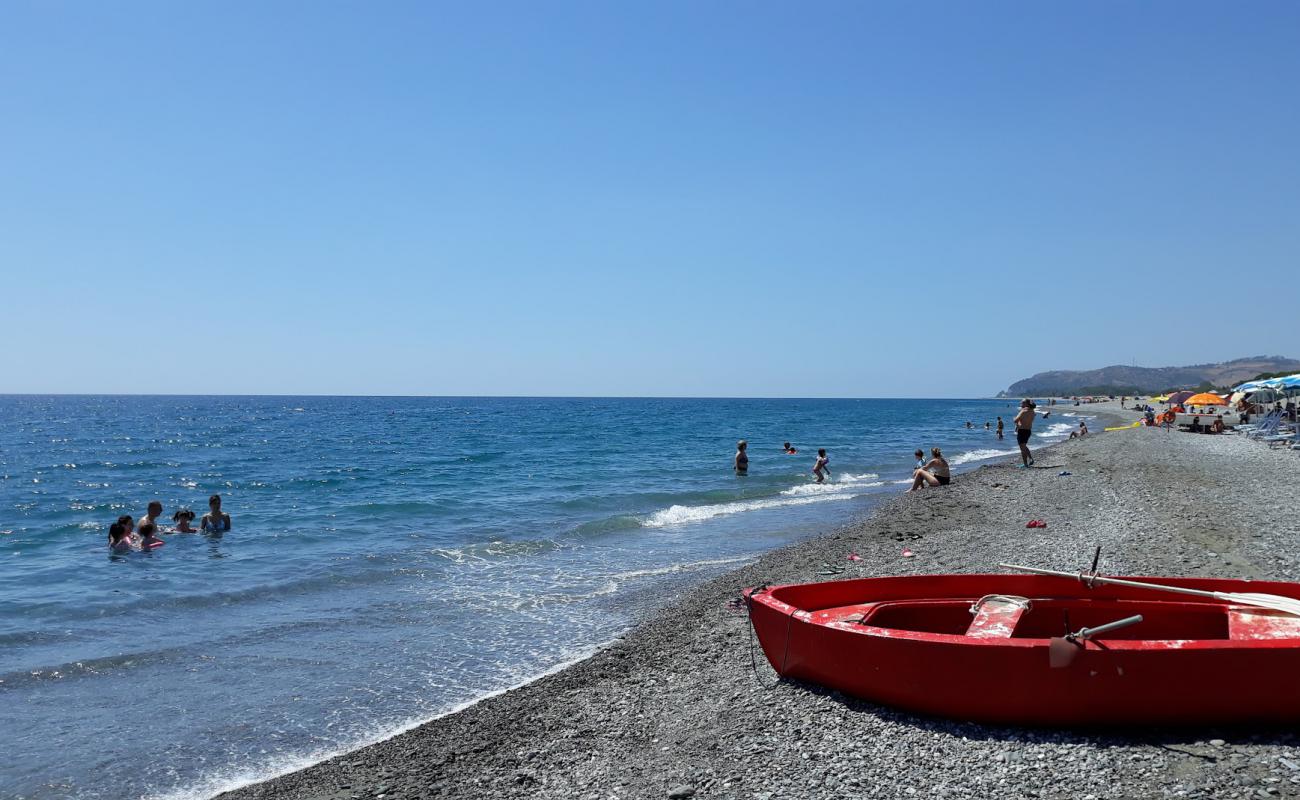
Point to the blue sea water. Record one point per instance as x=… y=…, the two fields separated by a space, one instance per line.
x=390 y=559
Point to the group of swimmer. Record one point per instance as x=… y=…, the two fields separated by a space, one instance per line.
x=988 y=426
x=935 y=471
x=821 y=468
x=125 y=535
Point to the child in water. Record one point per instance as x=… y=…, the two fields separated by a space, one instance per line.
x=183 y=518
x=118 y=541
x=128 y=525
x=789 y=450
x=822 y=468
x=147 y=539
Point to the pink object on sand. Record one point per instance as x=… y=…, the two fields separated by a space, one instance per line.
x=854 y=557
x=907 y=553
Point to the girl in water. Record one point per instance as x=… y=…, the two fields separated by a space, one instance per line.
x=147 y=539
x=118 y=541
x=822 y=468
x=183 y=520
x=742 y=458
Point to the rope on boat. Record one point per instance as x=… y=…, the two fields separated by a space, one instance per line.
x=1009 y=599
x=753 y=662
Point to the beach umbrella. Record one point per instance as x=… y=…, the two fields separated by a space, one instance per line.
x=1177 y=398
x=1164 y=398
x=1205 y=399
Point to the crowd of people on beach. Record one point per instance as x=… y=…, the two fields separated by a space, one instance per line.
x=932 y=472
x=125 y=535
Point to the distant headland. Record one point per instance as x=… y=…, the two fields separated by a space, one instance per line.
x=1121 y=379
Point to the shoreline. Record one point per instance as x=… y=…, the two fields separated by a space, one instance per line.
x=662 y=707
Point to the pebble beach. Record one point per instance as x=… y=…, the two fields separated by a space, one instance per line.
x=684 y=705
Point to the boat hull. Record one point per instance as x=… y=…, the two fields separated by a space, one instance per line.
x=858 y=637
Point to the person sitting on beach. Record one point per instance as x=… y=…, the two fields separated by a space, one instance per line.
x=151 y=516
x=934 y=473
x=789 y=450
x=148 y=541
x=1082 y=432
x=920 y=459
x=1217 y=427
x=183 y=519
x=214 y=521
x=118 y=540
x=822 y=468
x=1196 y=424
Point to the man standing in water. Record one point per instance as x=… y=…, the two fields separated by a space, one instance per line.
x=153 y=516
x=999 y=427
x=742 y=458
x=1024 y=429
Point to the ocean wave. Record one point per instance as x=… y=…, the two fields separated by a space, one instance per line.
x=796 y=496
x=978 y=455
x=836 y=485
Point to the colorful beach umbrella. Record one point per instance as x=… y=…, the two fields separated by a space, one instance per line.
x=1205 y=399
x=1177 y=398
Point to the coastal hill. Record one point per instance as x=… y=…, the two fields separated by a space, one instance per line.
x=1120 y=379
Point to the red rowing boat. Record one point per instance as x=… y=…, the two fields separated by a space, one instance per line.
x=994 y=648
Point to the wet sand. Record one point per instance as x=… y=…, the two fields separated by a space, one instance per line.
x=674 y=708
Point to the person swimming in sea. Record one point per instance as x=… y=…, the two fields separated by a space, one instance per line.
x=148 y=541
x=184 y=519
x=987 y=426
x=128 y=524
x=214 y=521
x=118 y=540
x=969 y=424
x=151 y=516
x=822 y=468
x=789 y=450
x=741 y=464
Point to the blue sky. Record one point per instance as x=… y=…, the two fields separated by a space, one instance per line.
x=665 y=198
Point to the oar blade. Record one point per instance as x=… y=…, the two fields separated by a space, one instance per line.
x=1061 y=652
x=1287 y=605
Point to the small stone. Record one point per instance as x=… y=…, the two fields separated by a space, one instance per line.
x=1217 y=743
x=681 y=792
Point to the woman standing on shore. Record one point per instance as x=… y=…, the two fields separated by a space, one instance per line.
x=742 y=459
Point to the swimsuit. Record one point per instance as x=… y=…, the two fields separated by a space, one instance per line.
x=1023 y=434
x=217 y=526
x=944 y=480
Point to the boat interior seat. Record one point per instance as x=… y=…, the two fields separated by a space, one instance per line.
x=995 y=618
x=1248 y=622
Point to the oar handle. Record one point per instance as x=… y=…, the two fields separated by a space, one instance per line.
x=1088 y=633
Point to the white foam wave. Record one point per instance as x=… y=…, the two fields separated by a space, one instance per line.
x=1059 y=429
x=837 y=484
x=847 y=488
x=689 y=566
x=978 y=455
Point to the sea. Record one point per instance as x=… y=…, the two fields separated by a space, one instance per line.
x=390 y=559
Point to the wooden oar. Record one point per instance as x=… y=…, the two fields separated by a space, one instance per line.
x=1288 y=605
